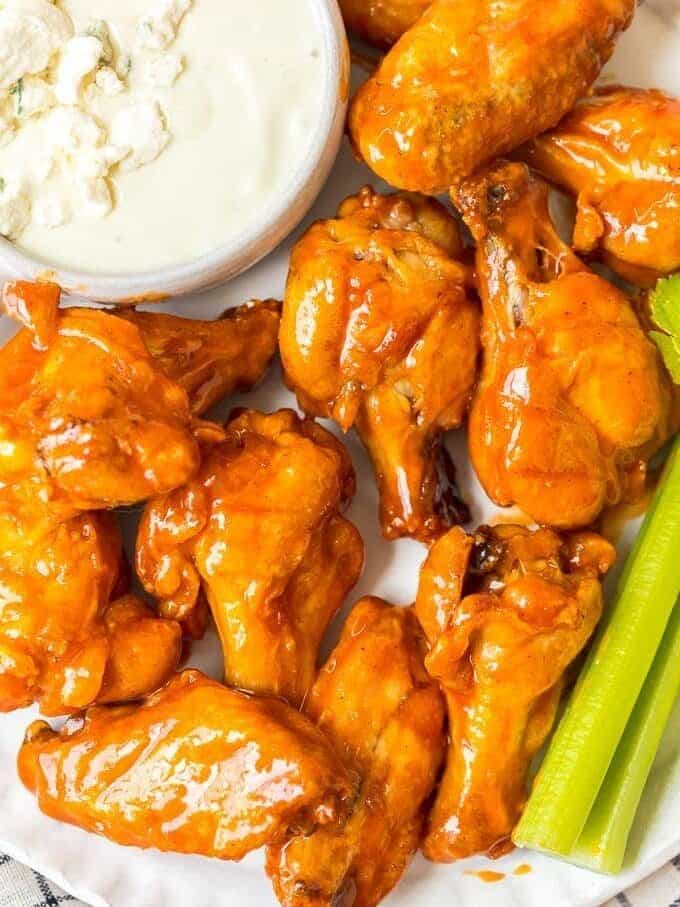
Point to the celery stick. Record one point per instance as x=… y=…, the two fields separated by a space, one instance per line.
x=602 y=845
x=596 y=716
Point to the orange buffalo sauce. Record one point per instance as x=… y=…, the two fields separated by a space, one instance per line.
x=486 y=875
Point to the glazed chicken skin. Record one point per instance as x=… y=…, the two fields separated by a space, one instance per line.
x=506 y=612
x=381 y=22
x=380 y=332
x=87 y=418
x=385 y=717
x=87 y=422
x=211 y=359
x=573 y=397
x=46 y=614
x=473 y=79
x=259 y=532
x=618 y=151
x=65 y=640
x=195 y=768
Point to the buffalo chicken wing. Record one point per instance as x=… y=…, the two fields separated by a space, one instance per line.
x=65 y=640
x=87 y=422
x=87 y=418
x=259 y=531
x=573 y=397
x=618 y=151
x=473 y=79
x=381 y=22
x=195 y=768
x=506 y=612
x=211 y=359
x=385 y=717
x=379 y=331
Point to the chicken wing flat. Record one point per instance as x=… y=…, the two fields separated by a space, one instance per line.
x=62 y=642
x=573 y=397
x=473 y=79
x=381 y=22
x=379 y=331
x=385 y=716
x=195 y=768
x=211 y=359
x=259 y=530
x=85 y=412
x=618 y=151
x=506 y=612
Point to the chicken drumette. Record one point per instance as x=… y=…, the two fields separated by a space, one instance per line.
x=573 y=397
x=259 y=531
x=385 y=717
x=195 y=768
x=379 y=331
x=382 y=22
x=506 y=611
x=473 y=79
x=65 y=639
x=618 y=151
x=211 y=359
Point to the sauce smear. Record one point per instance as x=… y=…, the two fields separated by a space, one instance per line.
x=522 y=870
x=486 y=875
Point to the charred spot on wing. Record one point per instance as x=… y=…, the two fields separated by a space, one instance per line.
x=449 y=503
x=496 y=195
x=488 y=552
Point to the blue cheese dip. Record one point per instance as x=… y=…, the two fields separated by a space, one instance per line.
x=137 y=134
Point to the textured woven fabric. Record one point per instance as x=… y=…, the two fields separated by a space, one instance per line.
x=22 y=887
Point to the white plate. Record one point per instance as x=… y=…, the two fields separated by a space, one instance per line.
x=106 y=875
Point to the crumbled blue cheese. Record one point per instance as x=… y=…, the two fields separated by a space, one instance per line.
x=34 y=97
x=79 y=144
x=15 y=208
x=70 y=130
x=141 y=128
x=158 y=29
x=31 y=32
x=98 y=28
x=162 y=70
x=94 y=108
x=108 y=82
x=95 y=198
x=78 y=58
x=6 y=124
x=123 y=66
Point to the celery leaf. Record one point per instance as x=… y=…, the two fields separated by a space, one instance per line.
x=665 y=309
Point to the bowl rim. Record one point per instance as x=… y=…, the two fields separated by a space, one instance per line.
x=244 y=249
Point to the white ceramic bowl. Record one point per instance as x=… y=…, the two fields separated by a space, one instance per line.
x=243 y=251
